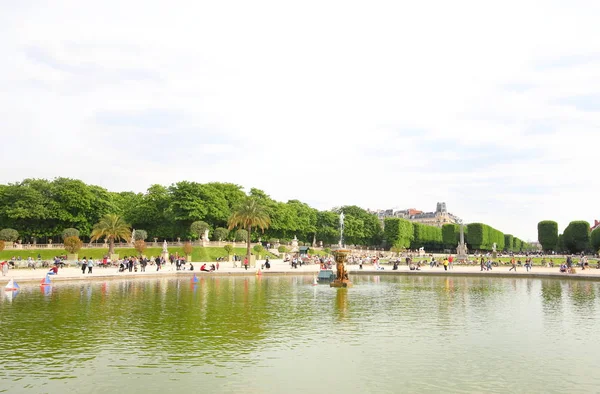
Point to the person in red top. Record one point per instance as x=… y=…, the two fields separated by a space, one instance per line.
x=450 y=261
x=53 y=270
x=246 y=263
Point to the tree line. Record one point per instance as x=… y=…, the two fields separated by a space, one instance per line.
x=54 y=209
x=403 y=234
x=44 y=209
x=577 y=237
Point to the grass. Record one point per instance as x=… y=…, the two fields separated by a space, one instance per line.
x=199 y=254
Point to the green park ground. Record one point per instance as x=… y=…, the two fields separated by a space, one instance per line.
x=199 y=254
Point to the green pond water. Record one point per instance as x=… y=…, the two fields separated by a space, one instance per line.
x=280 y=334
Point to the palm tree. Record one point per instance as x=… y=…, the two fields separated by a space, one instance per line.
x=111 y=227
x=249 y=213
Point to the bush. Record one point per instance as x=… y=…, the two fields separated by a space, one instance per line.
x=220 y=234
x=140 y=235
x=198 y=228
x=9 y=234
x=70 y=232
x=259 y=249
x=228 y=249
x=327 y=250
x=282 y=249
x=188 y=249
x=548 y=234
x=73 y=244
x=139 y=245
x=241 y=235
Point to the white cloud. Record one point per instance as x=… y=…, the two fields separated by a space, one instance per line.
x=380 y=104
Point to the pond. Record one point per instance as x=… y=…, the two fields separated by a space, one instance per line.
x=278 y=334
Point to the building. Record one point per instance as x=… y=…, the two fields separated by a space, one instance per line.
x=438 y=218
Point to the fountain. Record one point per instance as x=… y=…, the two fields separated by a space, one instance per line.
x=340 y=255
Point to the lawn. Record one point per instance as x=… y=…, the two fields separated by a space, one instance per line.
x=198 y=254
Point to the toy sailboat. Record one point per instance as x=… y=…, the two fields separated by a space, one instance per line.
x=11 y=286
x=10 y=295
x=46 y=281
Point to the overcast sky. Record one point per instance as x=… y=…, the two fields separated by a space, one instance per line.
x=492 y=107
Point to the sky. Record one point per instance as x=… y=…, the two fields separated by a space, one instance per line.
x=490 y=106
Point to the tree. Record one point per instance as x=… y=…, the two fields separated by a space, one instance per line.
x=9 y=235
x=398 y=232
x=240 y=235
x=450 y=235
x=70 y=232
x=595 y=239
x=73 y=244
x=187 y=249
x=198 y=228
x=111 y=227
x=259 y=250
x=139 y=245
x=249 y=213
x=220 y=234
x=228 y=249
x=548 y=234
x=577 y=236
x=140 y=235
x=508 y=242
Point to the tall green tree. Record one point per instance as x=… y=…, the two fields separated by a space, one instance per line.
x=577 y=236
x=450 y=235
x=111 y=227
x=595 y=240
x=247 y=214
x=398 y=232
x=547 y=234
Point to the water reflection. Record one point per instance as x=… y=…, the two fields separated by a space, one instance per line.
x=341 y=303
x=253 y=330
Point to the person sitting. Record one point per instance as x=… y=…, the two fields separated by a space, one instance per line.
x=191 y=267
x=395 y=266
x=563 y=268
x=203 y=268
x=267 y=264
x=212 y=268
x=53 y=270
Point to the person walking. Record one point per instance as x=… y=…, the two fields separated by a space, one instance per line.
x=4 y=268
x=528 y=264
x=514 y=265
x=446 y=262
x=90 y=265
x=83 y=265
